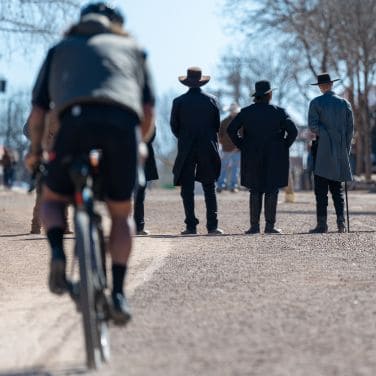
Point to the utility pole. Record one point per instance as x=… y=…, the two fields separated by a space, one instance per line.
x=3 y=86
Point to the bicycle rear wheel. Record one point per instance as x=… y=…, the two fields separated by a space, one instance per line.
x=94 y=322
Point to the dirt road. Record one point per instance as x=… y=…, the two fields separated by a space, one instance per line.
x=295 y=304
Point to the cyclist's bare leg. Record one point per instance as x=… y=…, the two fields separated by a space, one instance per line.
x=120 y=246
x=52 y=215
x=121 y=231
x=53 y=209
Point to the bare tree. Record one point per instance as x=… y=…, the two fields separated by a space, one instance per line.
x=335 y=35
x=30 y=20
x=238 y=74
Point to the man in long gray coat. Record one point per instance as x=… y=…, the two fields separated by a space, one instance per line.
x=330 y=118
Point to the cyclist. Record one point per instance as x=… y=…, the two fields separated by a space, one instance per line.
x=98 y=82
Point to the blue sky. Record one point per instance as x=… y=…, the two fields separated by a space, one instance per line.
x=176 y=33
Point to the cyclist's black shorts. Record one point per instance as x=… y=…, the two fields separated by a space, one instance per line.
x=106 y=127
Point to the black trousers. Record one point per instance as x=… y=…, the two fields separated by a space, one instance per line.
x=322 y=186
x=187 y=194
x=138 y=211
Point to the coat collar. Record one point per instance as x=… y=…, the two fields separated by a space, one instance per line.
x=91 y=25
x=194 y=90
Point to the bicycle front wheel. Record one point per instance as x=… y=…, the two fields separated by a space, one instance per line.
x=84 y=241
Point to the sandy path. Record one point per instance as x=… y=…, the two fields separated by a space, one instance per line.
x=296 y=305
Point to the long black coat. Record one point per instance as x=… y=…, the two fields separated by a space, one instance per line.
x=150 y=168
x=268 y=132
x=195 y=123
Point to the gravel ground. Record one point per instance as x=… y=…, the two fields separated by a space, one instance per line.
x=295 y=304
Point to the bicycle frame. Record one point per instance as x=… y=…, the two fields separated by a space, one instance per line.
x=90 y=251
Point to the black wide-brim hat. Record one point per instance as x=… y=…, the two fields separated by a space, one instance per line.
x=324 y=78
x=262 y=88
x=194 y=78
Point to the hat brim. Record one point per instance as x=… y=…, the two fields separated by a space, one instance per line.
x=194 y=83
x=261 y=93
x=326 y=82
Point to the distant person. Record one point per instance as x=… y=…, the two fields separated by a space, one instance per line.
x=151 y=173
x=195 y=123
x=51 y=128
x=330 y=119
x=8 y=162
x=228 y=178
x=289 y=190
x=267 y=134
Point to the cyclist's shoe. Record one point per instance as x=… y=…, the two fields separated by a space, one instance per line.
x=57 y=281
x=120 y=310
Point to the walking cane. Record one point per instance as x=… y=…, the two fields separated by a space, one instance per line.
x=347 y=208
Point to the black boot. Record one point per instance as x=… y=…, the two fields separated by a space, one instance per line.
x=321 y=227
x=255 y=204
x=271 y=200
x=341 y=224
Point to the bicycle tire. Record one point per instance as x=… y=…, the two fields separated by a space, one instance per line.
x=84 y=228
x=103 y=303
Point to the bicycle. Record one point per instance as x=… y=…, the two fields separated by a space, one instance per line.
x=90 y=292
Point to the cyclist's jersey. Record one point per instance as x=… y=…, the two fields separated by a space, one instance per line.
x=93 y=65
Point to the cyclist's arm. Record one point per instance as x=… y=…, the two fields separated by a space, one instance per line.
x=36 y=128
x=37 y=122
x=41 y=106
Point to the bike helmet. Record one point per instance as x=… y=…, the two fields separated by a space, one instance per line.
x=105 y=9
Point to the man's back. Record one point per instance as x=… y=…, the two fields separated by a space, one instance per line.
x=332 y=111
x=195 y=113
x=224 y=139
x=330 y=118
x=93 y=65
x=104 y=67
x=262 y=121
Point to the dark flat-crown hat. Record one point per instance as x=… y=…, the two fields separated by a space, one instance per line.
x=324 y=78
x=194 y=78
x=261 y=88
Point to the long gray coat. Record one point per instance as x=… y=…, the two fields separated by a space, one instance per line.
x=331 y=118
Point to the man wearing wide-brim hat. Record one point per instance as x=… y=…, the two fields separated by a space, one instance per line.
x=267 y=134
x=195 y=123
x=330 y=118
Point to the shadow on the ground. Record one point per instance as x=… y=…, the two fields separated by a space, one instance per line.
x=33 y=238
x=172 y=236
x=13 y=235
x=352 y=213
x=36 y=371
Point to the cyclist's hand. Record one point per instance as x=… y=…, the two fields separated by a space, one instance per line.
x=32 y=161
x=142 y=152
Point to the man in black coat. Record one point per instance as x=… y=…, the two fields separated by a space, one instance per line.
x=195 y=123
x=151 y=173
x=267 y=134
